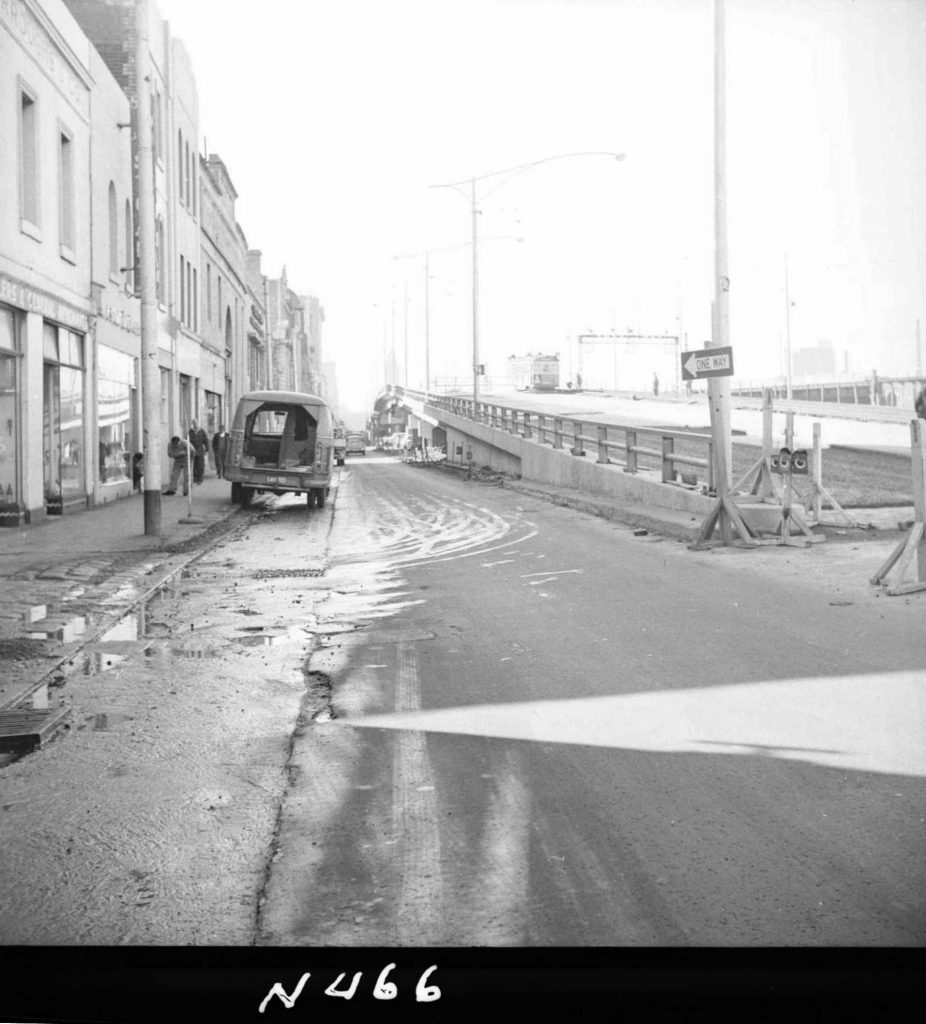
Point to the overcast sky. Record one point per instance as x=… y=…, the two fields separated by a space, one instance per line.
x=335 y=116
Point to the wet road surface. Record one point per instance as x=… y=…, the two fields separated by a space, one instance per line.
x=546 y=731
x=438 y=713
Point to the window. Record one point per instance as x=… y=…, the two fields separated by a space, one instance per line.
x=180 y=165
x=66 y=192
x=182 y=290
x=115 y=384
x=187 y=181
x=28 y=159
x=195 y=298
x=113 y=231
x=129 y=248
x=159 y=259
x=219 y=303
x=208 y=292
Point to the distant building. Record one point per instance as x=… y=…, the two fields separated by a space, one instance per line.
x=226 y=300
x=819 y=361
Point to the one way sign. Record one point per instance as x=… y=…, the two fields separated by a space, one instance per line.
x=707 y=362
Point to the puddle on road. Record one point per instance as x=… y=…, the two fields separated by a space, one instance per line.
x=273 y=638
x=104 y=722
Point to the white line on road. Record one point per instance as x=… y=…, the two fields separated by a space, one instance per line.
x=549 y=572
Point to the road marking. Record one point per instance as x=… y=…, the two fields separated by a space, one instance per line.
x=419 y=915
x=549 y=572
x=873 y=723
x=490 y=565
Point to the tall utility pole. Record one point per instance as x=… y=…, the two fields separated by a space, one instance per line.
x=405 y=332
x=147 y=274
x=475 y=214
x=719 y=387
x=919 y=351
x=427 y=324
x=787 y=331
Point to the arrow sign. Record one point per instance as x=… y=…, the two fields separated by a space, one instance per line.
x=707 y=362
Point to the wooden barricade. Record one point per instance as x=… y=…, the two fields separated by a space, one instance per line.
x=913 y=546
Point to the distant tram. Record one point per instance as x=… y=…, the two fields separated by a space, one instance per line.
x=534 y=372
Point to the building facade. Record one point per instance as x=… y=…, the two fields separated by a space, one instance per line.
x=194 y=373
x=226 y=302
x=68 y=316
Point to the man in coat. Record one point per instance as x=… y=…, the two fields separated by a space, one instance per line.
x=219 y=448
x=179 y=452
x=199 y=439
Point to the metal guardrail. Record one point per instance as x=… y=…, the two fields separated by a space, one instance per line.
x=603 y=438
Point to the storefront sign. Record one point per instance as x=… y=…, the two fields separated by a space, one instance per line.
x=15 y=293
x=26 y=27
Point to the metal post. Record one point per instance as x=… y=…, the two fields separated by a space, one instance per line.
x=427 y=327
x=405 y=328
x=147 y=273
x=719 y=387
x=474 y=213
x=817 y=472
x=787 y=331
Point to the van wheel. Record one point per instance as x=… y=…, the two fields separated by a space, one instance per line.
x=243 y=495
x=320 y=496
x=236 y=494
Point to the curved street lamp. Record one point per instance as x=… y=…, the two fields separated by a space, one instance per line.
x=511 y=172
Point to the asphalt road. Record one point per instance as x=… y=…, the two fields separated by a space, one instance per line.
x=539 y=729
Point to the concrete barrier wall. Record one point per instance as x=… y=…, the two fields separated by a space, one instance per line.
x=510 y=453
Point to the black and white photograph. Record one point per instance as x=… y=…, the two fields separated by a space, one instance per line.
x=462 y=507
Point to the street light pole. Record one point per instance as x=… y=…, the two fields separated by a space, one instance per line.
x=475 y=214
x=427 y=325
x=147 y=278
x=787 y=330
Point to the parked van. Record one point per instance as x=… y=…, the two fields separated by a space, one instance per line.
x=281 y=442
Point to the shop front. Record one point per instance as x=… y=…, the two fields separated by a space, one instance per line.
x=63 y=424
x=12 y=510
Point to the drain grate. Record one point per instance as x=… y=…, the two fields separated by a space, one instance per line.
x=273 y=574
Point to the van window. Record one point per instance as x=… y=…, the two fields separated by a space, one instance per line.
x=277 y=435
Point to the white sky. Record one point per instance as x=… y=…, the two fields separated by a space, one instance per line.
x=335 y=116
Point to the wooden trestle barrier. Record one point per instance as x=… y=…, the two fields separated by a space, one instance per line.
x=891 y=574
x=760 y=484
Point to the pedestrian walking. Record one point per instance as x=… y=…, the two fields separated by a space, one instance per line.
x=655 y=385
x=219 y=448
x=179 y=452
x=199 y=439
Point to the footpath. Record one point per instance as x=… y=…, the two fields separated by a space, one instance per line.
x=64 y=583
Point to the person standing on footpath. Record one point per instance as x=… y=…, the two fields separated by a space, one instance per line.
x=199 y=439
x=219 y=448
x=179 y=452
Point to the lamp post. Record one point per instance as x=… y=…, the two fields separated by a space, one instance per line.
x=512 y=172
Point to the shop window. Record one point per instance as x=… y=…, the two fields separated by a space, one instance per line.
x=115 y=388
x=63 y=416
x=10 y=493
